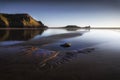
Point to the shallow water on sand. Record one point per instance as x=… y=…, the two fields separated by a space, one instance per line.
x=37 y=54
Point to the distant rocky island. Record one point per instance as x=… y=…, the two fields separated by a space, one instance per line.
x=72 y=26
x=75 y=27
x=23 y=20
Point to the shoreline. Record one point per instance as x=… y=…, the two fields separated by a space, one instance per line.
x=20 y=28
x=56 y=28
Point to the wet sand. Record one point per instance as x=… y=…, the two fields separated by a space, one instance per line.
x=18 y=65
x=100 y=64
x=32 y=62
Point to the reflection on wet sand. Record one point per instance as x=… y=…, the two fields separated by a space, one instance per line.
x=18 y=35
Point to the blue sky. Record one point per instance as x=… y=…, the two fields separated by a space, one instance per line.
x=62 y=13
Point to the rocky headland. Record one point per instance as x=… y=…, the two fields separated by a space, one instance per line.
x=23 y=20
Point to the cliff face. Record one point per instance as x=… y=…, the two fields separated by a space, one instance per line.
x=19 y=21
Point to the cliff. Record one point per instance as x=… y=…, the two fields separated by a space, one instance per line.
x=19 y=21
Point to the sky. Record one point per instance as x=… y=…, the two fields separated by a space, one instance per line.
x=58 y=13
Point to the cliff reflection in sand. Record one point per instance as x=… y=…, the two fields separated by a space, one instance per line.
x=19 y=35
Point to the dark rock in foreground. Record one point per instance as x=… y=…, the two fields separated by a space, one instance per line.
x=66 y=45
x=19 y=21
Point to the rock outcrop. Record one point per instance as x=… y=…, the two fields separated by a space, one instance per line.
x=72 y=26
x=19 y=21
